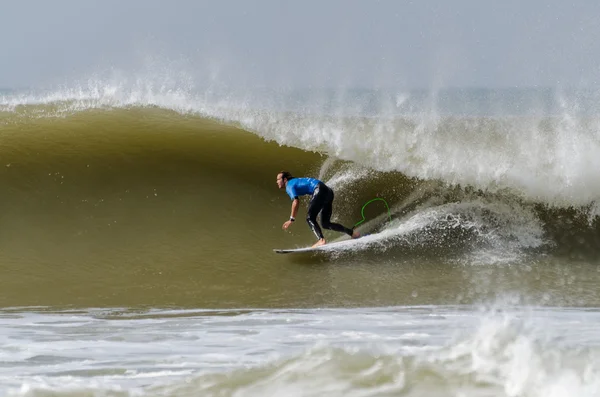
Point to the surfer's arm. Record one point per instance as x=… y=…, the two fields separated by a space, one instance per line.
x=295 y=205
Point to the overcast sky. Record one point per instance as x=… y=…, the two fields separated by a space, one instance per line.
x=421 y=43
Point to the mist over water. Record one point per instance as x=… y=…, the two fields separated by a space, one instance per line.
x=539 y=144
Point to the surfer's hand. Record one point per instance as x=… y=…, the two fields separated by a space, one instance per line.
x=286 y=225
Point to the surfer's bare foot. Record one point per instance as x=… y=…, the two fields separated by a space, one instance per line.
x=319 y=243
x=355 y=234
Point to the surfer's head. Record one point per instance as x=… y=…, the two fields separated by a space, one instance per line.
x=282 y=178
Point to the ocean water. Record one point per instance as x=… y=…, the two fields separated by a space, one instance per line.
x=139 y=218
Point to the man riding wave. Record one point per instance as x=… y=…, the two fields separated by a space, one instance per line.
x=320 y=202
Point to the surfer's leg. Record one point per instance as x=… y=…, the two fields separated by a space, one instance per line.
x=314 y=207
x=314 y=226
x=326 y=217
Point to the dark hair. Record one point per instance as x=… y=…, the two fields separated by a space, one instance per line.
x=286 y=175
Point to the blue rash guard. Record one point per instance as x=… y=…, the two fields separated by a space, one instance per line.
x=301 y=186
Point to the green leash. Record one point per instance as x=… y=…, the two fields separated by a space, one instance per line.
x=362 y=211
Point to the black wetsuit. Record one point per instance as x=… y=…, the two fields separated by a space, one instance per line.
x=321 y=201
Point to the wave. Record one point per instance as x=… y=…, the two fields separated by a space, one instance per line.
x=172 y=177
x=540 y=157
x=34 y=133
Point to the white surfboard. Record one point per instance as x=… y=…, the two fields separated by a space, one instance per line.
x=327 y=247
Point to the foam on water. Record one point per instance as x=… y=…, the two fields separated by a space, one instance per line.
x=431 y=350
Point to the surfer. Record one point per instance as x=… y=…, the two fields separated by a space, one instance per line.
x=321 y=201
